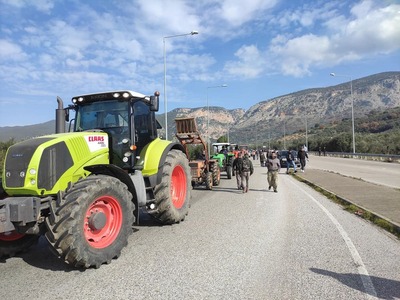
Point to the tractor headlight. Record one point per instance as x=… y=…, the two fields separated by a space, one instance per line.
x=32 y=171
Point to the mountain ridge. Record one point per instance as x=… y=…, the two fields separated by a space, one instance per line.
x=272 y=116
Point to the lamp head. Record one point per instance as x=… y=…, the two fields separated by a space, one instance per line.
x=332 y=74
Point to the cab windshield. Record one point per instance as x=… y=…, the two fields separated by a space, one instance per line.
x=102 y=115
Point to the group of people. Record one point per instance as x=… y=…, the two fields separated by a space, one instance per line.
x=302 y=156
x=243 y=167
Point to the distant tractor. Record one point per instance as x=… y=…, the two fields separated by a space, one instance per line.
x=224 y=155
x=203 y=169
x=84 y=189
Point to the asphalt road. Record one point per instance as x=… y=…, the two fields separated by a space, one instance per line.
x=382 y=173
x=294 y=244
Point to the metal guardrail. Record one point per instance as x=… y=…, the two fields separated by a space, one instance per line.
x=366 y=156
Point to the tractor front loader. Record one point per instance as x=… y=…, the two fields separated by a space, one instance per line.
x=84 y=189
x=203 y=169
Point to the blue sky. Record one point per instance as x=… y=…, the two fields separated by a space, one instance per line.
x=260 y=48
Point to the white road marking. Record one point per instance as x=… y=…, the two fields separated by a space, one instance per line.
x=362 y=270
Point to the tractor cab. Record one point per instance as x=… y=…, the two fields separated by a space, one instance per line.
x=127 y=117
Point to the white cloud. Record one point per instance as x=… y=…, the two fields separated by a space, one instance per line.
x=368 y=31
x=298 y=54
x=11 y=52
x=237 y=12
x=250 y=63
x=41 y=5
x=103 y=45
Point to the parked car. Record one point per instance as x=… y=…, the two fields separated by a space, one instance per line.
x=282 y=154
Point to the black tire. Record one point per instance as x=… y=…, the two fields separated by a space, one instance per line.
x=229 y=172
x=91 y=223
x=172 y=195
x=12 y=243
x=216 y=174
x=209 y=181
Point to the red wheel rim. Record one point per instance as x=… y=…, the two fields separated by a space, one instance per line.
x=178 y=186
x=109 y=208
x=11 y=236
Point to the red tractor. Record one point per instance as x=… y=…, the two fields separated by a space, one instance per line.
x=203 y=169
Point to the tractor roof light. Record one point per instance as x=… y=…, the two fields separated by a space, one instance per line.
x=116 y=95
x=126 y=95
x=79 y=99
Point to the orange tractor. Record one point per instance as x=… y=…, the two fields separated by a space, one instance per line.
x=203 y=169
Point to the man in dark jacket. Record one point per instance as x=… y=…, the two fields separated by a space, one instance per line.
x=246 y=170
x=302 y=155
x=236 y=166
x=290 y=161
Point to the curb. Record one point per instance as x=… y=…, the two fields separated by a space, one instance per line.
x=394 y=228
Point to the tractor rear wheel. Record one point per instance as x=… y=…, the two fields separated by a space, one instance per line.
x=229 y=171
x=209 y=181
x=172 y=195
x=90 y=224
x=216 y=174
x=13 y=242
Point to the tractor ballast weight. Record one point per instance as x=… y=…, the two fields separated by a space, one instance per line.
x=84 y=189
x=203 y=169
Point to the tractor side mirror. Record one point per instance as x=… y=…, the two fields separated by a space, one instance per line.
x=154 y=101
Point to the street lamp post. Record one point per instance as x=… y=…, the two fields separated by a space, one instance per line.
x=352 y=107
x=306 y=135
x=165 y=76
x=208 y=114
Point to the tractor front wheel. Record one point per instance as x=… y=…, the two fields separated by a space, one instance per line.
x=91 y=223
x=173 y=193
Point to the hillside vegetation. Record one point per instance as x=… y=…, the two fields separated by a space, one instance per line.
x=376 y=133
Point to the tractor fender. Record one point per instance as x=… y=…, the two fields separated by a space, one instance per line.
x=153 y=157
x=135 y=186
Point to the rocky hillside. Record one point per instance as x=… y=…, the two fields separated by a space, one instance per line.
x=273 y=117
x=219 y=118
x=318 y=106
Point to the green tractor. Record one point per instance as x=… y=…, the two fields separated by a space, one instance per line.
x=224 y=155
x=84 y=189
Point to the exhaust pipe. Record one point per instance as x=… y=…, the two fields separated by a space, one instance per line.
x=60 y=116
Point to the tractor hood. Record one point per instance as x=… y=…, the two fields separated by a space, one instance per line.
x=47 y=163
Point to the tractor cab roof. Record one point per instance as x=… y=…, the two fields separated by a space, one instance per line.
x=118 y=95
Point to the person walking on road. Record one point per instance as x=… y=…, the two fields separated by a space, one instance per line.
x=302 y=155
x=290 y=161
x=274 y=167
x=246 y=170
x=236 y=169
